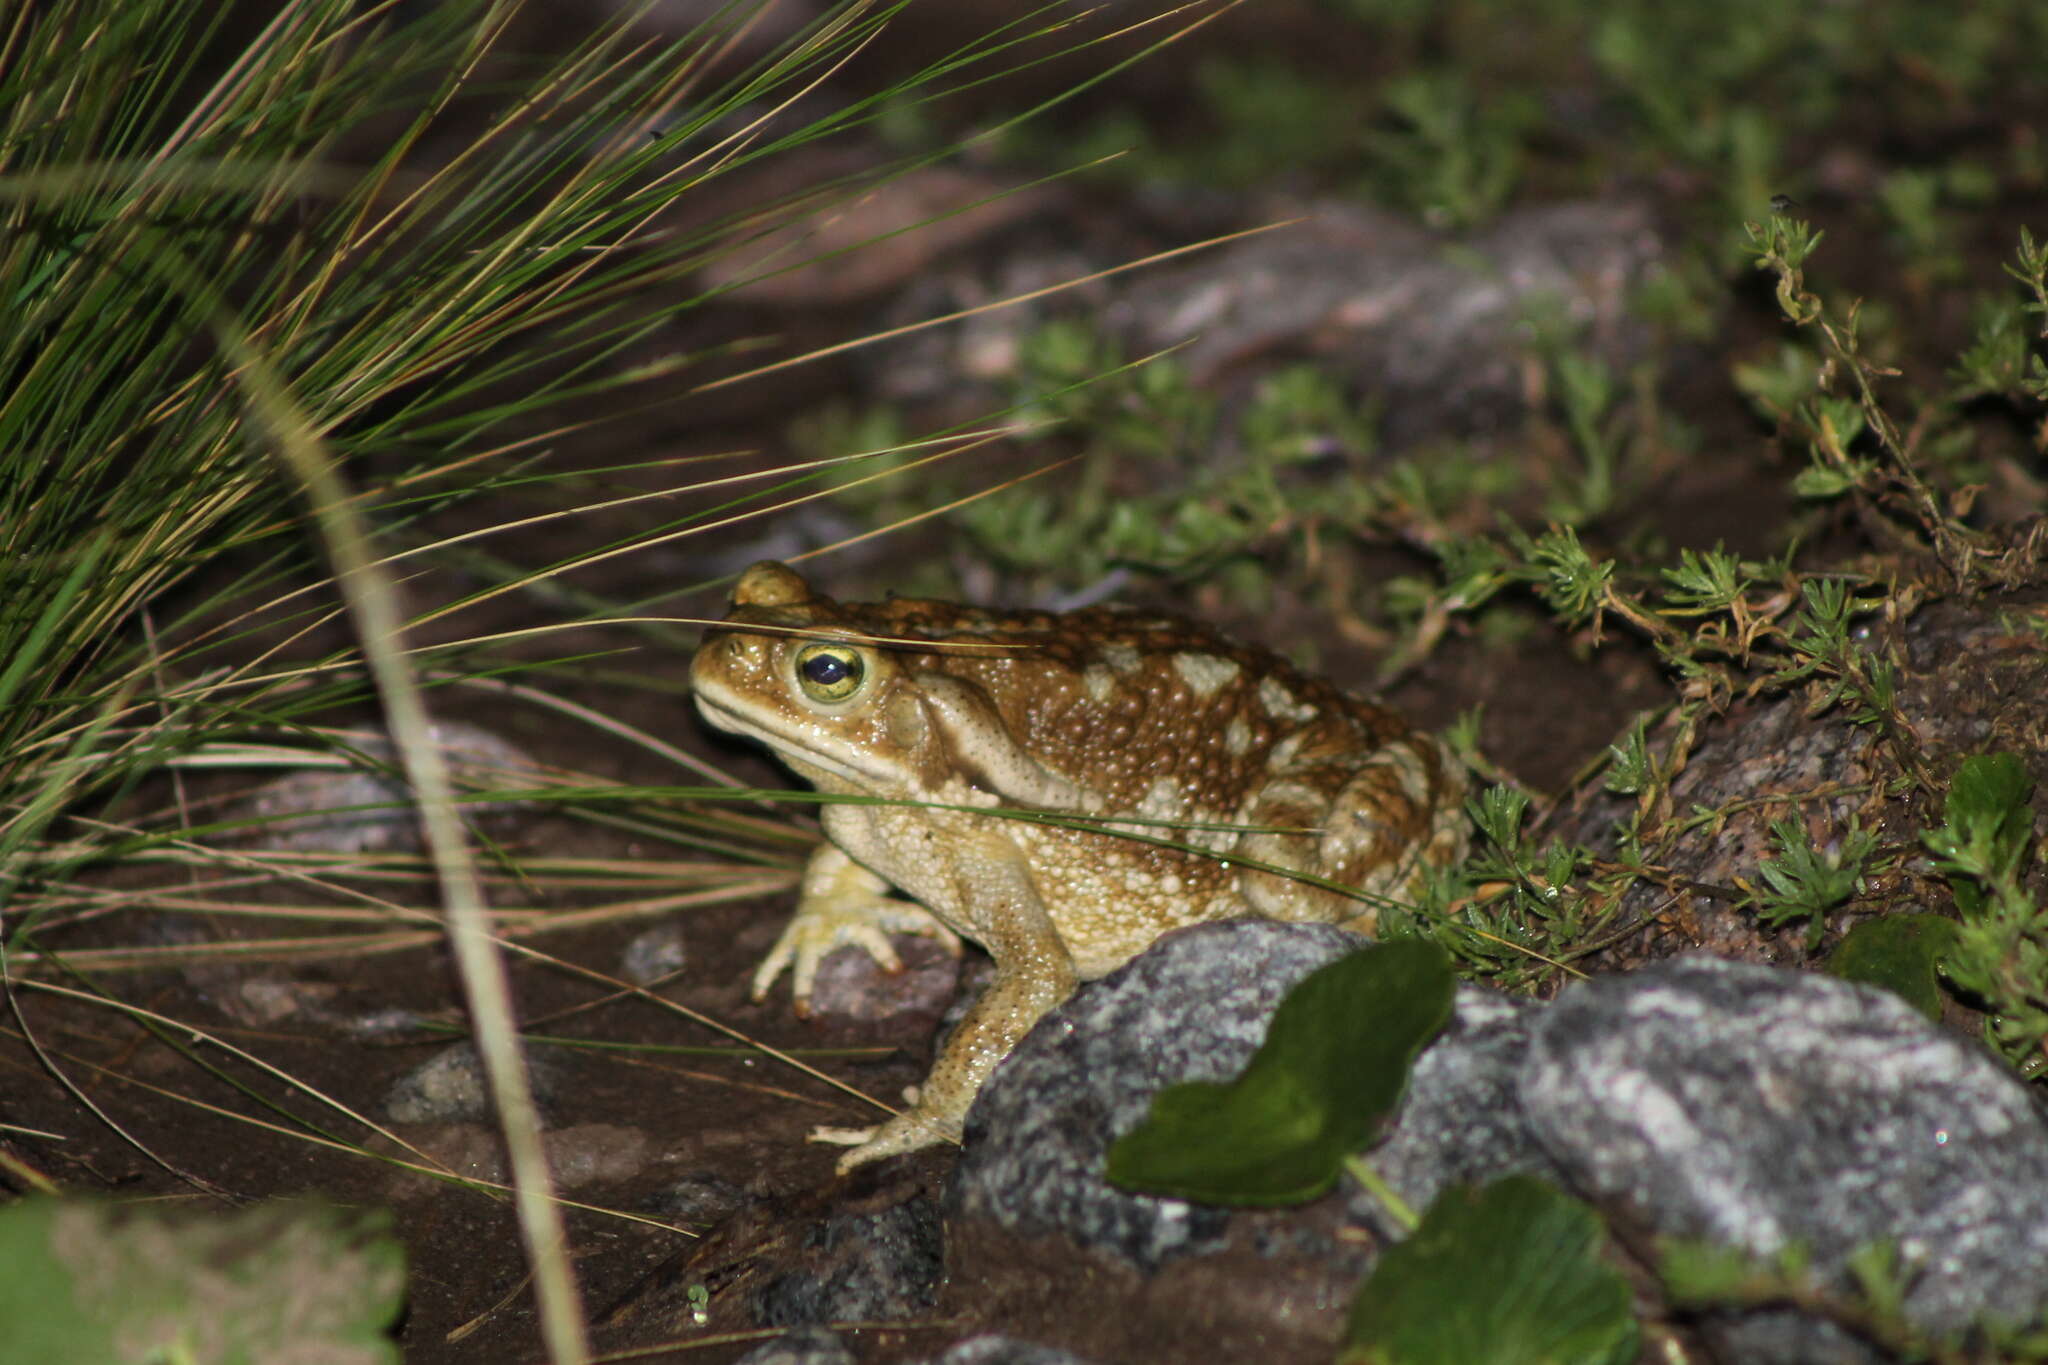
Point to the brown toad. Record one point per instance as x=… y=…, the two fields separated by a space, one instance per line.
x=1144 y=724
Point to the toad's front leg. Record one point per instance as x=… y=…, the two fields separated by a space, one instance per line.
x=843 y=902
x=1034 y=973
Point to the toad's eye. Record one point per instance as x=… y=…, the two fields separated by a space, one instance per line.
x=829 y=672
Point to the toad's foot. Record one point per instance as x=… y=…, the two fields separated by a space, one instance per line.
x=909 y=1131
x=914 y=1136
x=843 y=902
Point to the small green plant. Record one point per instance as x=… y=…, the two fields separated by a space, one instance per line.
x=1802 y=883
x=1870 y=1307
x=1730 y=628
x=1162 y=483
x=1894 y=485
x=1453 y=155
x=2003 y=361
x=1588 y=394
x=1516 y=912
x=2000 y=955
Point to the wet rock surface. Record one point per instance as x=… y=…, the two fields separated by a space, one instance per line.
x=1968 y=683
x=324 y=809
x=1759 y=1108
x=858 y=1266
x=1440 y=328
x=1750 y=1106
x=1193 y=1008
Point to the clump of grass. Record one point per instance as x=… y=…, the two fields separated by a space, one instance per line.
x=423 y=257
x=365 y=239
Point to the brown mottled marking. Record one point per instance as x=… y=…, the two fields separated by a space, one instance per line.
x=1097 y=713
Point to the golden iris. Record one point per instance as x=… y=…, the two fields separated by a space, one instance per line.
x=829 y=672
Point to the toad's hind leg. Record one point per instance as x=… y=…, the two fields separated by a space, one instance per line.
x=1379 y=825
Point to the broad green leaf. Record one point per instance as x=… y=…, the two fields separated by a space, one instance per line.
x=1989 y=820
x=1508 y=1274
x=1900 y=953
x=41 y=1318
x=1333 y=1065
x=1989 y=828
x=1988 y=788
x=89 y=1283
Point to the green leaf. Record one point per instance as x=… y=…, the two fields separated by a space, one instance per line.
x=1987 y=807
x=1900 y=953
x=1333 y=1065
x=280 y=1284
x=1989 y=822
x=1803 y=882
x=1988 y=787
x=1708 y=1274
x=1508 y=1274
x=1698 y=1273
x=39 y=1317
x=1829 y=481
x=1629 y=766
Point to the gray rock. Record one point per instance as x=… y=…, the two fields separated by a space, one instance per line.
x=590 y=1154
x=852 y=989
x=654 y=955
x=1193 y=1007
x=1000 y=1350
x=805 y=1346
x=1756 y=1107
x=1461 y=1119
x=1440 y=328
x=1750 y=1106
x=329 y=807
x=449 y=1088
x=701 y=1197
x=859 y=1266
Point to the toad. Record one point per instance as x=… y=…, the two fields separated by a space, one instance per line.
x=1165 y=776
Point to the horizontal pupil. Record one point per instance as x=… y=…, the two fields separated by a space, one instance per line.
x=824 y=669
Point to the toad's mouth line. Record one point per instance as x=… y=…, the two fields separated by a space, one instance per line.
x=787 y=743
